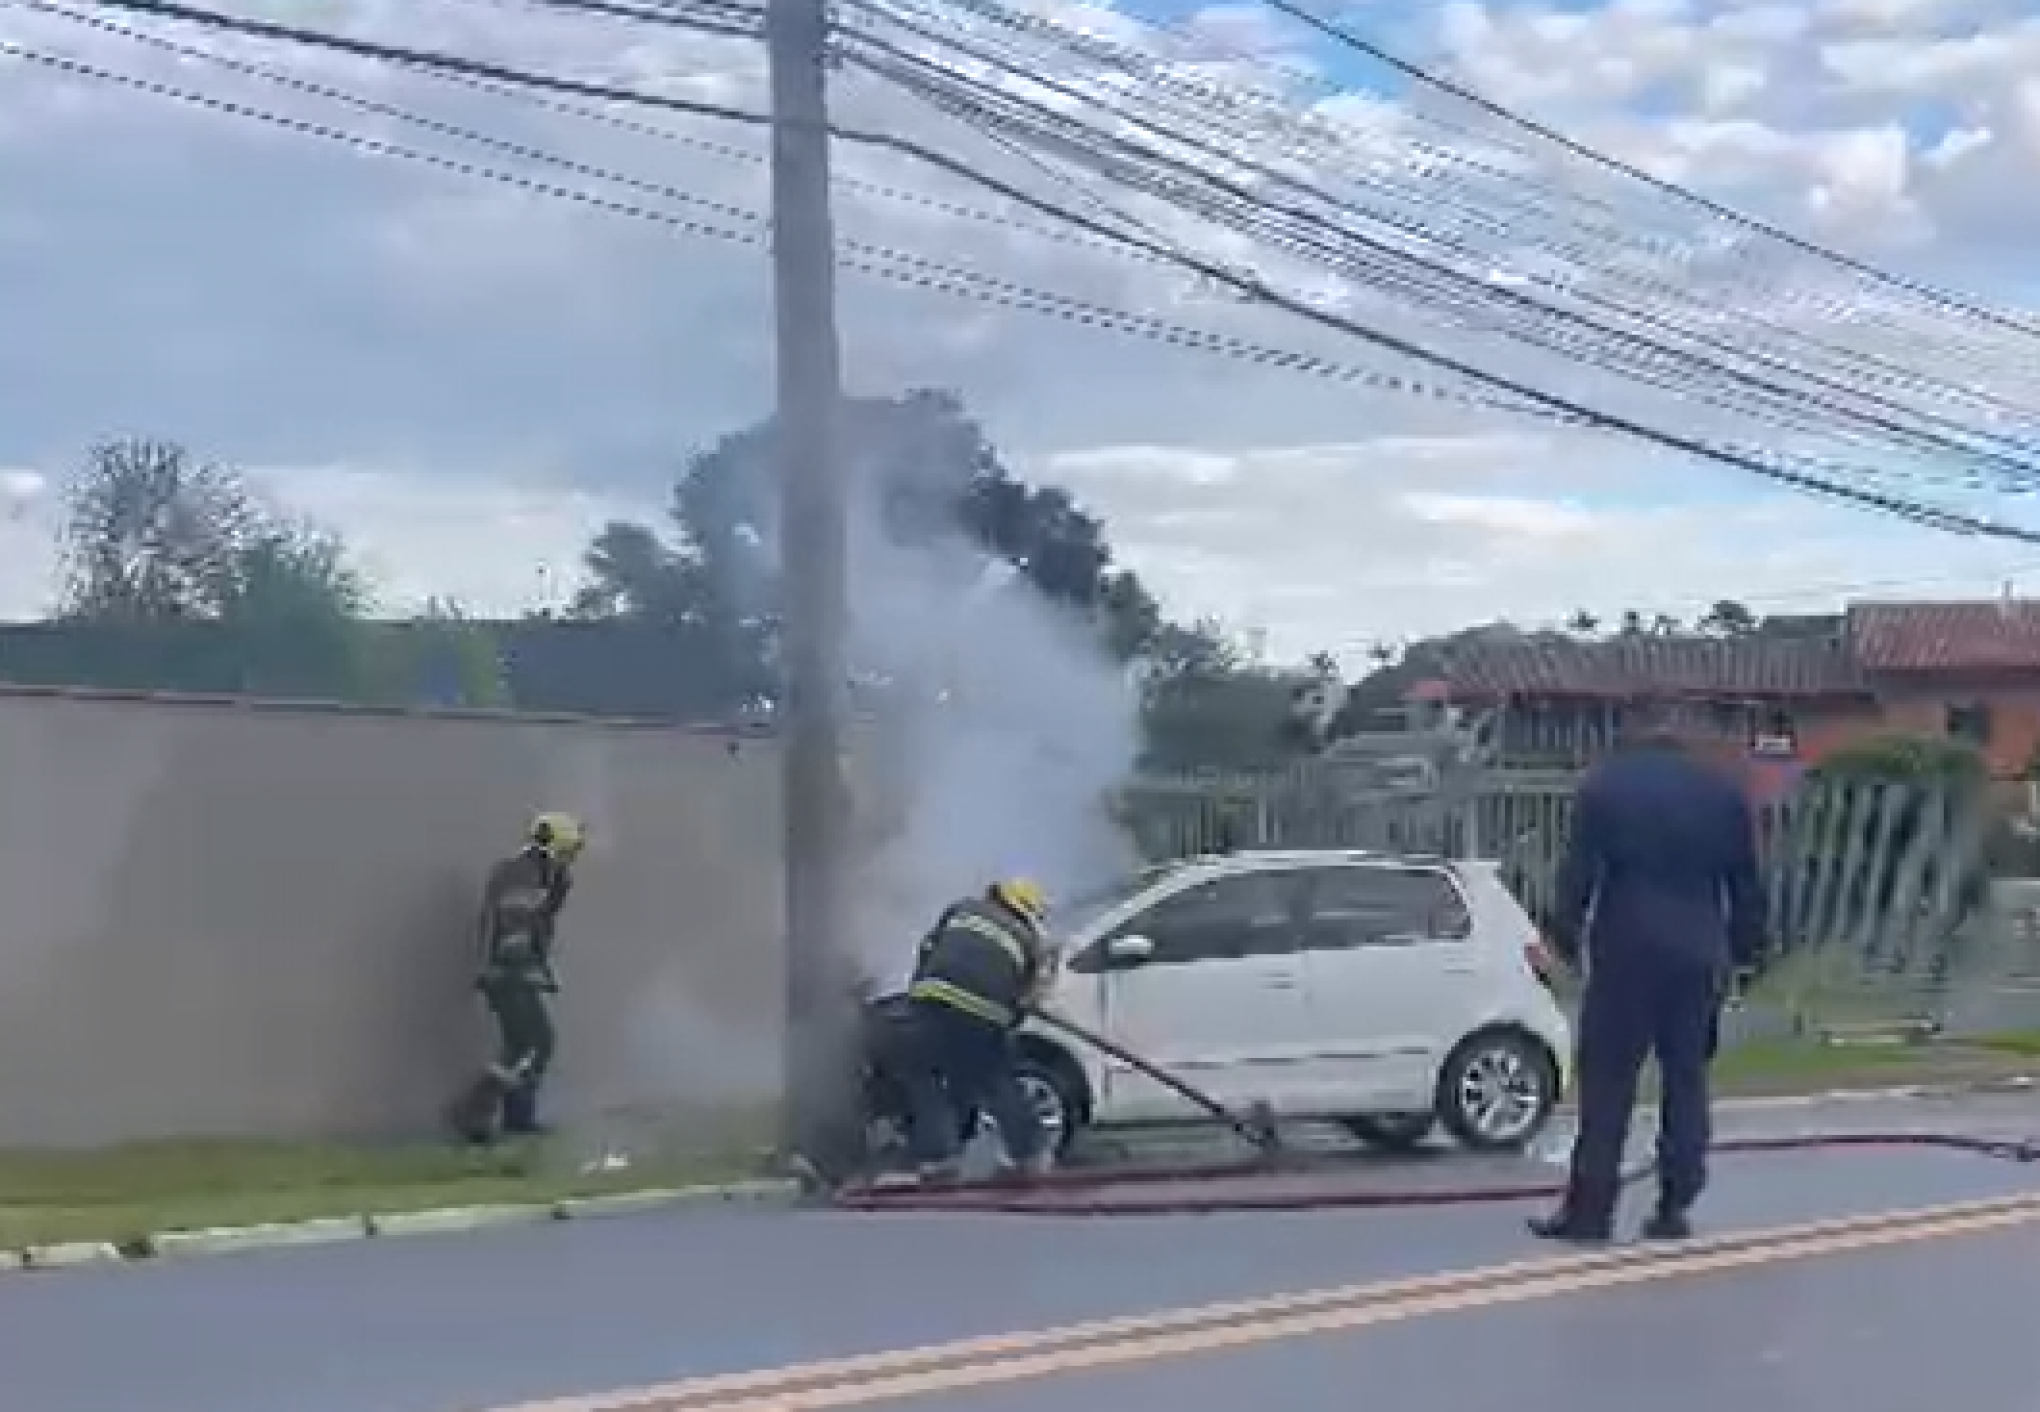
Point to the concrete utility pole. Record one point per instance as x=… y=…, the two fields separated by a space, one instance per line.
x=813 y=548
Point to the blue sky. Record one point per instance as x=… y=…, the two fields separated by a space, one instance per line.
x=466 y=381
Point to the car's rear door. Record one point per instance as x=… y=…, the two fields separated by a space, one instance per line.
x=1221 y=1001
x=1389 y=979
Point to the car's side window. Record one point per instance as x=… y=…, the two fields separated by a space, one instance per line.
x=1374 y=906
x=1232 y=918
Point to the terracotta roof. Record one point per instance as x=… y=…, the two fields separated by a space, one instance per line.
x=1660 y=667
x=1978 y=635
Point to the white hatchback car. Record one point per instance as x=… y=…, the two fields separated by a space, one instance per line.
x=1389 y=994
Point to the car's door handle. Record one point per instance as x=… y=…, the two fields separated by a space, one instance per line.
x=1278 y=983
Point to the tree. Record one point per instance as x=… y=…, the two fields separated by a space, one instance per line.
x=1728 y=618
x=1632 y=623
x=152 y=535
x=1583 y=623
x=179 y=576
x=631 y=573
x=929 y=470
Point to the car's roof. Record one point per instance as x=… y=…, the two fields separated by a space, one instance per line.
x=1316 y=857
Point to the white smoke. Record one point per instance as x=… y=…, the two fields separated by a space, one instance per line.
x=993 y=726
x=1001 y=729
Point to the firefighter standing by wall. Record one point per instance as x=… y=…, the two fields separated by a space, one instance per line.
x=975 y=976
x=517 y=978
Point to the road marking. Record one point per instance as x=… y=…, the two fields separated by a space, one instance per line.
x=1167 y=1347
x=971 y=1363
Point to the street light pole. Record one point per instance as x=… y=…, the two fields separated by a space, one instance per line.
x=812 y=559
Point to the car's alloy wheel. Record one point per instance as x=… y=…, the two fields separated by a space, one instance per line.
x=1052 y=1106
x=1497 y=1091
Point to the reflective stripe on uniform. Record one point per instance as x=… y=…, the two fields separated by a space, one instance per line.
x=957 y=998
x=1003 y=937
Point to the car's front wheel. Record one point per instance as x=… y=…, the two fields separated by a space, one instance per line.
x=1056 y=1097
x=1497 y=1090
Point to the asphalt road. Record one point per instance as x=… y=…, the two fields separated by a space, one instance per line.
x=459 y=1323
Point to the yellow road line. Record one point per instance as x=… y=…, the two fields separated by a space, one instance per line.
x=977 y=1362
x=1164 y=1347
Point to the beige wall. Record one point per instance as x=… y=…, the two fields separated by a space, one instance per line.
x=221 y=919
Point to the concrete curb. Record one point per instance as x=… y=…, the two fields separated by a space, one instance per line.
x=448 y=1219
x=71 y=1255
x=219 y=1240
x=222 y=1240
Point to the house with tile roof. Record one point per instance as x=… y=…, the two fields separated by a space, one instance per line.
x=1967 y=669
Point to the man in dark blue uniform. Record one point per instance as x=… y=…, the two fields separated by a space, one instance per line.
x=1661 y=901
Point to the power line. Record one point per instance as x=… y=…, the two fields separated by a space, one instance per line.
x=1546 y=401
x=438 y=62
x=898 y=267
x=1346 y=37
x=1198 y=189
x=543 y=103
x=1117 y=217
x=1166 y=97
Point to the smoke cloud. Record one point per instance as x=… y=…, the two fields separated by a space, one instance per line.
x=993 y=723
x=1002 y=727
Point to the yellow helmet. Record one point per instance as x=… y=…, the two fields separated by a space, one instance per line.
x=1022 y=896
x=560 y=835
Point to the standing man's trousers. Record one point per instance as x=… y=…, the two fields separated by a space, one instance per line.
x=1626 y=1016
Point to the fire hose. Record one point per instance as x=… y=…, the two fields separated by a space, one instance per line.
x=1202 y=1187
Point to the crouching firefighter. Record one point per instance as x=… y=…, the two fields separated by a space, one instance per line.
x=976 y=975
x=519 y=915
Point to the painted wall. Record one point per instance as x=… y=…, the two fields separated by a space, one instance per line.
x=221 y=919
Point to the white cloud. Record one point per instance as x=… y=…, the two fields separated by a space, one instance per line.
x=1343 y=547
x=286 y=303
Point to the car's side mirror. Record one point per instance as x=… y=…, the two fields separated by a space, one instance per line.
x=1128 y=951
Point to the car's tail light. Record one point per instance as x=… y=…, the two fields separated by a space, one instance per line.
x=1537 y=955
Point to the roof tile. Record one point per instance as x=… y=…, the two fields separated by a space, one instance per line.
x=1973 y=635
x=1639 y=667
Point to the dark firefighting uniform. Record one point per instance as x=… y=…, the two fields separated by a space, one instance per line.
x=520 y=912
x=1661 y=890
x=973 y=978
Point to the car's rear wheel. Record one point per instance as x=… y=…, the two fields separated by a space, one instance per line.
x=1393 y=1132
x=1497 y=1090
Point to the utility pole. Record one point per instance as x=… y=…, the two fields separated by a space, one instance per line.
x=819 y=1018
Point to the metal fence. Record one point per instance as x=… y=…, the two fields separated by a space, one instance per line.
x=1889 y=901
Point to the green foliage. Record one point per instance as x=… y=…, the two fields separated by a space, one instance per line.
x=440 y=658
x=180 y=580
x=712 y=576
x=1904 y=758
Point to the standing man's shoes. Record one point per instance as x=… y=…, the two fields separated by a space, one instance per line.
x=1569 y=1227
x=1668 y=1223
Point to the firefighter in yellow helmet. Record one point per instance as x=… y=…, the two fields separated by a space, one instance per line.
x=978 y=971
x=516 y=976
